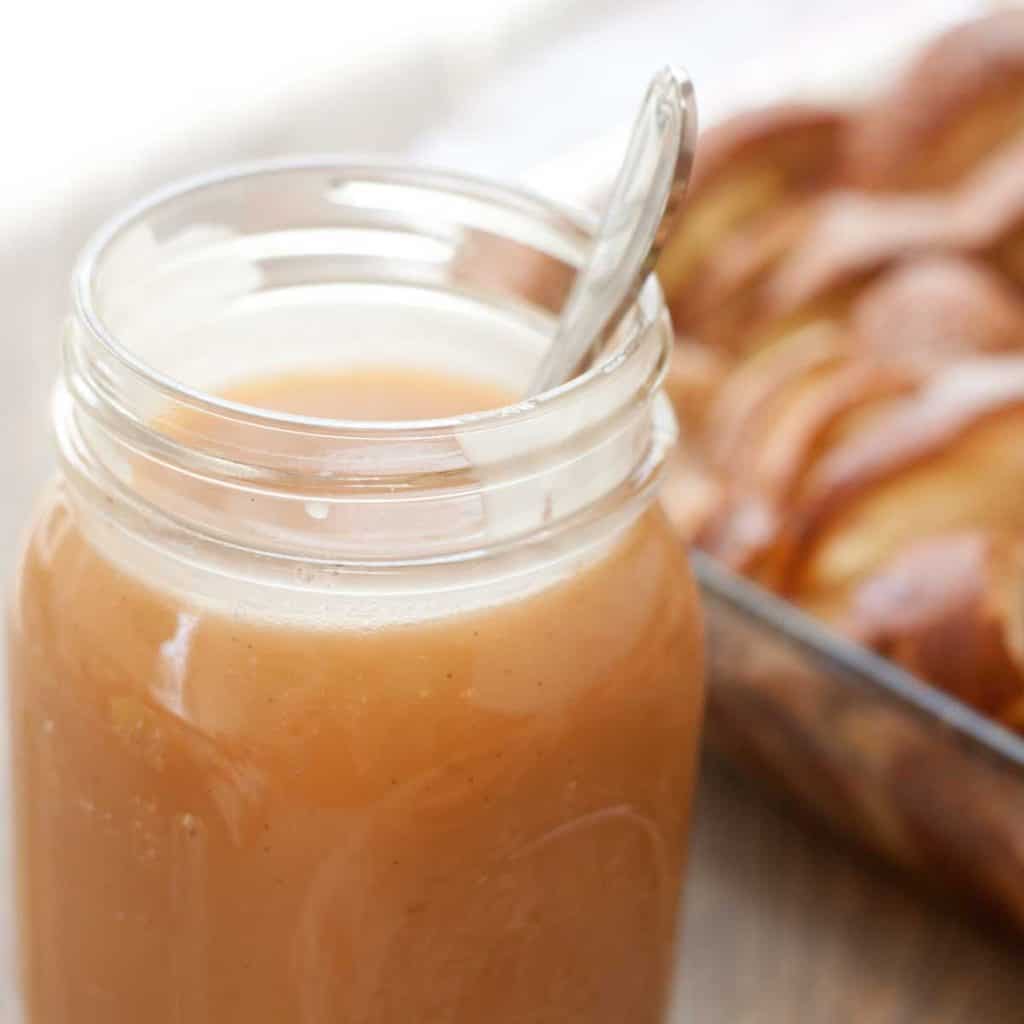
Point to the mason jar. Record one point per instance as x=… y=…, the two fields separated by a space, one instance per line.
x=330 y=702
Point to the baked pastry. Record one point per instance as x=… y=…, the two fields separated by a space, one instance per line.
x=990 y=211
x=946 y=458
x=784 y=446
x=726 y=300
x=850 y=240
x=807 y=262
x=933 y=311
x=849 y=374
x=745 y=167
x=959 y=101
x=843 y=444
x=951 y=609
x=869 y=532
x=860 y=453
x=856 y=282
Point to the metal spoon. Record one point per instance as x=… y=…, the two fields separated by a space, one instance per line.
x=641 y=211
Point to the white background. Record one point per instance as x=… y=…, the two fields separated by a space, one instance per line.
x=102 y=88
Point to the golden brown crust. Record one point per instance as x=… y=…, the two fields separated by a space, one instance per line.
x=853 y=237
x=932 y=311
x=745 y=167
x=785 y=452
x=952 y=403
x=950 y=456
x=742 y=533
x=1012 y=715
x=990 y=210
x=743 y=411
x=726 y=301
x=959 y=100
x=804 y=137
x=801 y=434
x=868 y=394
x=941 y=608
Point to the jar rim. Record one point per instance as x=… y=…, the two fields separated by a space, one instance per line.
x=386 y=171
x=573 y=461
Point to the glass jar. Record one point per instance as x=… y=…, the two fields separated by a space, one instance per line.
x=318 y=720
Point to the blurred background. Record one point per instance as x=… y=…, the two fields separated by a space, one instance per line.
x=104 y=101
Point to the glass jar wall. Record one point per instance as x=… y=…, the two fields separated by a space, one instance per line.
x=345 y=686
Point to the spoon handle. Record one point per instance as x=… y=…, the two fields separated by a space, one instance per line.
x=644 y=202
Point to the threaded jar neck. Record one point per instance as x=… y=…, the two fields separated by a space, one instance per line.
x=291 y=267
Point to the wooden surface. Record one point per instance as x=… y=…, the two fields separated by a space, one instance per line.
x=784 y=924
